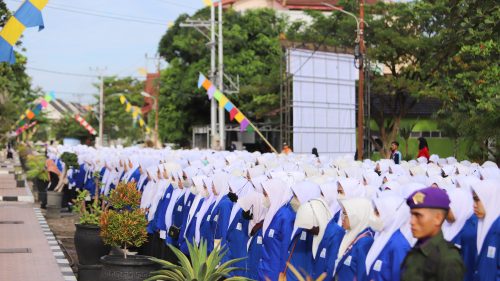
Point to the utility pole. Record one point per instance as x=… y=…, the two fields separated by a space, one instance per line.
x=213 y=103
x=361 y=80
x=101 y=103
x=222 y=120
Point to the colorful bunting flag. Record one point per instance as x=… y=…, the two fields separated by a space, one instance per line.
x=224 y=102
x=28 y=15
x=25 y=127
x=136 y=113
x=30 y=114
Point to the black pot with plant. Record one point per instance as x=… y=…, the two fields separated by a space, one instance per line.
x=123 y=224
x=36 y=172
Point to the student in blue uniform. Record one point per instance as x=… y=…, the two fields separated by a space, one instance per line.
x=383 y=262
x=133 y=167
x=300 y=247
x=486 y=207
x=237 y=231
x=277 y=228
x=188 y=229
x=315 y=217
x=221 y=211
x=329 y=194
x=460 y=228
x=254 y=212
x=203 y=230
x=350 y=263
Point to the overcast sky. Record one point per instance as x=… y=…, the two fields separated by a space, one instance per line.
x=80 y=34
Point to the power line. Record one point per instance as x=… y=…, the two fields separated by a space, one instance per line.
x=62 y=73
x=126 y=18
x=177 y=4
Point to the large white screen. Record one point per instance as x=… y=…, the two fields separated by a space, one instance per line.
x=324 y=87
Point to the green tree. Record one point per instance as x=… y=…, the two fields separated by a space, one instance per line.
x=251 y=50
x=117 y=122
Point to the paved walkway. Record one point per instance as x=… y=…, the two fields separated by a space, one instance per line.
x=28 y=249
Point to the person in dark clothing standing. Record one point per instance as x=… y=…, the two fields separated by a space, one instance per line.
x=395 y=154
x=432 y=258
x=315 y=152
x=10 y=150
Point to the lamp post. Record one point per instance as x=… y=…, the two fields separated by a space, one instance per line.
x=358 y=54
x=144 y=94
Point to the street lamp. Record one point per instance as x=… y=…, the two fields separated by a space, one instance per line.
x=358 y=54
x=155 y=100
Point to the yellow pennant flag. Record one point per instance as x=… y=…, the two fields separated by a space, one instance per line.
x=122 y=99
x=141 y=122
x=127 y=109
x=208 y=3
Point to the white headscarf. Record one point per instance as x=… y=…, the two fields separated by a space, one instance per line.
x=329 y=190
x=462 y=207
x=197 y=188
x=238 y=185
x=306 y=190
x=394 y=212
x=253 y=201
x=488 y=192
x=351 y=188
x=221 y=185
x=279 y=195
x=314 y=213
x=358 y=211
x=149 y=189
x=176 y=194
x=203 y=209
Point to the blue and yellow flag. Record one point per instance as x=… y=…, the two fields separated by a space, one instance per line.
x=28 y=15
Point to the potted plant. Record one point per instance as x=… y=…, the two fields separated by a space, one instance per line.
x=88 y=243
x=54 y=198
x=37 y=173
x=123 y=224
x=200 y=267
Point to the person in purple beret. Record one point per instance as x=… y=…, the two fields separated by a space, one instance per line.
x=432 y=258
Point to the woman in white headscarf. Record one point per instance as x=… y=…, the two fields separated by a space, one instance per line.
x=237 y=231
x=189 y=228
x=277 y=228
x=301 y=241
x=350 y=263
x=221 y=211
x=315 y=217
x=349 y=188
x=460 y=227
x=390 y=247
x=203 y=219
x=486 y=207
x=329 y=193
x=254 y=212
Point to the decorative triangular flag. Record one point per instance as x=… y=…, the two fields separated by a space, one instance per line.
x=243 y=125
x=229 y=106
x=233 y=113
x=211 y=91
x=122 y=99
x=201 y=79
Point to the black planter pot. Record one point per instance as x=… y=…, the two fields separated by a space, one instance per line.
x=132 y=268
x=89 y=245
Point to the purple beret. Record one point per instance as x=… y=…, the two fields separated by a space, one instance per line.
x=429 y=197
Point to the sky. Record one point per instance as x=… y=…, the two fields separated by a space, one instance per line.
x=77 y=41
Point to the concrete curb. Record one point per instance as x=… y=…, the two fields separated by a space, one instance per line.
x=61 y=260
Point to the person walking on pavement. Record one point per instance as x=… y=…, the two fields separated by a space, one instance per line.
x=432 y=258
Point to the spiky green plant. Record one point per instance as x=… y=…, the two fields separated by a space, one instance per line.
x=201 y=267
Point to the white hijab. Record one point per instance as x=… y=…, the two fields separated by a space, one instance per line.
x=358 y=211
x=203 y=209
x=488 y=192
x=148 y=192
x=253 y=201
x=238 y=185
x=394 y=213
x=314 y=213
x=160 y=187
x=279 y=195
x=196 y=188
x=329 y=190
x=176 y=194
x=462 y=207
x=220 y=183
x=351 y=187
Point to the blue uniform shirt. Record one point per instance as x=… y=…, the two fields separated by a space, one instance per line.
x=465 y=240
x=254 y=255
x=206 y=232
x=488 y=261
x=387 y=266
x=301 y=258
x=352 y=264
x=276 y=240
x=327 y=251
x=188 y=231
x=135 y=176
x=220 y=219
x=162 y=209
x=236 y=242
